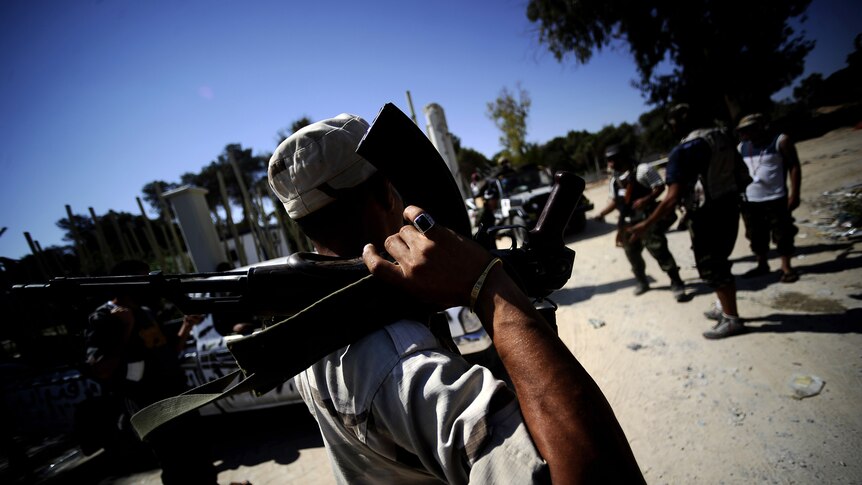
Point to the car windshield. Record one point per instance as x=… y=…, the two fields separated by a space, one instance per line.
x=525 y=181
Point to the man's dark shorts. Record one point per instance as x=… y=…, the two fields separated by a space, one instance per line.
x=763 y=219
x=713 y=229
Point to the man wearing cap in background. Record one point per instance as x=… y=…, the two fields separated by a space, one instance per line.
x=707 y=176
x=768 y=207
x=634 y=189
x=396 y=406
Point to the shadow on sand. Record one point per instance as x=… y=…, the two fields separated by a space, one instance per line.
x=849 y=321
x=239 y=439
x=568 y=296
x=847 y=258
x=591 y=229
x=255 y=437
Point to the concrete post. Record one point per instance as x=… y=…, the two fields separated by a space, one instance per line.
x=196 y=226
x=438 y=132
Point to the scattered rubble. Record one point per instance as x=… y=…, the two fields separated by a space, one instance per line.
x=840 y=214
x=804 y=385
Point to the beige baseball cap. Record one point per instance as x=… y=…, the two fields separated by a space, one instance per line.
x=750 y=120
x=310 y=166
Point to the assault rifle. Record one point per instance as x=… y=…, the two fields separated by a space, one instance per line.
x=541 y=265
x=312 y=291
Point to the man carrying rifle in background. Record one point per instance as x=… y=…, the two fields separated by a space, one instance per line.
x=397 y=406
x=137 y=362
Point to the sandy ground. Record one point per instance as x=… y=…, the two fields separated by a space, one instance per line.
x=695 y=411
x=700 y=411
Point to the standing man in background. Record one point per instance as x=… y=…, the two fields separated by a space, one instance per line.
x=634 y=189
x=769 y=205
x=706 y=174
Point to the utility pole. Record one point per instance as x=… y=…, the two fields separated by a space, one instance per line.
x=151 y=236
x=240 y=247
x=107 y=258
x=40 y=262
x=412 y=111
x=251 y=213
x=83 y=255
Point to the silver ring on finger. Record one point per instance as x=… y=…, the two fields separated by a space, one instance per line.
x=423 y=222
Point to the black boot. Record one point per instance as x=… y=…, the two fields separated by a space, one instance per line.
x=642 y=285
x=677 y=287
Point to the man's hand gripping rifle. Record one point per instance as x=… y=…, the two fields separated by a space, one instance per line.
x=312 y=291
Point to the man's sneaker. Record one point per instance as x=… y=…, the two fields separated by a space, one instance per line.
x=714 y=313
x=725 y=327
x=641 y=287
x=678 y=290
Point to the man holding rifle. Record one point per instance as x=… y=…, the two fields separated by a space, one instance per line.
x=396 y=405
x=137 y=362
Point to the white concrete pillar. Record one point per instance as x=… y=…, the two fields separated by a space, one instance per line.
x=438 y=132
x=196 y=225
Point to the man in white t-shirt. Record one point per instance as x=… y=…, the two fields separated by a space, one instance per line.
x=767 y=212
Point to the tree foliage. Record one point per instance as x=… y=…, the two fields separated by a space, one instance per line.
x=151 y=190
x=470 y=161
x=842 y=86
x=125 y=237
x=726 y=57
x=509 y=114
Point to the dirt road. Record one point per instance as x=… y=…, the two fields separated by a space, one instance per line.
x=695 y=411
x=699 y=411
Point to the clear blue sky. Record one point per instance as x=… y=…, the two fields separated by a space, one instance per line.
x=97 y=98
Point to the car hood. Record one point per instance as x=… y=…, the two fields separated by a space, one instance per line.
x=522 y=197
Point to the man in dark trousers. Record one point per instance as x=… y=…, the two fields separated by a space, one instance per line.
x=769 y=202
x=634 y=190
x=707 y=176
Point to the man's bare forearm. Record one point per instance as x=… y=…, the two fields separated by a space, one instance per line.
x=571 y=422
x=565 y=412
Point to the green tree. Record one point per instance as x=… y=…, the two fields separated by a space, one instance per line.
x=469 y=160
x=809 y=90
x=509 y=114
x=251 y=167
x=842 y=86
x=131 y=241
x=655 y=138
x=726 y=57
x=151 y=191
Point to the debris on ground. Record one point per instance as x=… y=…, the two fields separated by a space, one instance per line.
x=804 y=385
x=840 y=213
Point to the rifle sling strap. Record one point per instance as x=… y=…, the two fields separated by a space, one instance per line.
x=281 y=351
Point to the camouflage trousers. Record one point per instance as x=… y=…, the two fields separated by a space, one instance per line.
x=655 y=242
